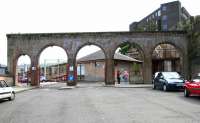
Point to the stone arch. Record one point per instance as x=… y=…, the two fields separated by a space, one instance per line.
x=130 y=42
x=85 y=44
x=49 y=45
x=99 y=62
x=72 y=42
x=22 y=53
x=38 y=72
x=177 y=48
x=180 y=49
x=134 y=76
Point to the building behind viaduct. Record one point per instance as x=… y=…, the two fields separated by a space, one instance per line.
x=33 y=44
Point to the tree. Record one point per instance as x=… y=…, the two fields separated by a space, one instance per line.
x=125 y=48
x=194 y=40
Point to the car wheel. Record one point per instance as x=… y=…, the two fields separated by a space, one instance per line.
x=154 y=86
x=12 y=97
x=165 y=87
x=186 y=93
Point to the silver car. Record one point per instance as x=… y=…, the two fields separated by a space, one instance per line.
x=6 y=92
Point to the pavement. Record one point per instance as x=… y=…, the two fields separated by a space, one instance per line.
x=133 y=85
x=126 y=85
x=19 y=89
x=22 y=88
x=102 y=84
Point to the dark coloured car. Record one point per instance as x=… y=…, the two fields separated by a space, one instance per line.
x=168 y=81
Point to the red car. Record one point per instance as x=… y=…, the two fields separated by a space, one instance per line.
x=192 y=87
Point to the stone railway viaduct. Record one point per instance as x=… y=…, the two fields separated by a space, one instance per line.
x=33 y=44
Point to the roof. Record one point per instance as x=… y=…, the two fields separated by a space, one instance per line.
x=99 y=55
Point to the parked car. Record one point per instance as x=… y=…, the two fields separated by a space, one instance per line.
x=168 y=81
x=192 y=87
x=154 y=76
x=6 y=92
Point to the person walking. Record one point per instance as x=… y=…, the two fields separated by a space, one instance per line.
x=126 y=76
x=118 y=76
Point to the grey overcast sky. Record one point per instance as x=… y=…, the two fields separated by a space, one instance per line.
x=41 y=16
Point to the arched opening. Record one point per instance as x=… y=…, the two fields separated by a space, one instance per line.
x=90 y=61
x=128 y=61
x=23 y=73
x=53 y=64
x=166 y=57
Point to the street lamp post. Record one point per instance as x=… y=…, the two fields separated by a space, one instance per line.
x=45 y=69
x=58 y=69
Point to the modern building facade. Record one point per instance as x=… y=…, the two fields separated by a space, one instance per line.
x=166 y=18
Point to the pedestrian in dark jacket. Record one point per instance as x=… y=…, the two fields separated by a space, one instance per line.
x=118 y=76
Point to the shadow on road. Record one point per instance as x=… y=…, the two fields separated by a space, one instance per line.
x=3 y=100
x=191 y=99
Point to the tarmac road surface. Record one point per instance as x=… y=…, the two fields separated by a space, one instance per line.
x=93 y=103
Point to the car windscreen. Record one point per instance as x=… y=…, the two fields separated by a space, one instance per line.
x=196 y=79
x=171 y=75
x=1 y=85
x=156 y=74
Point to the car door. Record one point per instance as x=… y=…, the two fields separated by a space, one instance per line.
x=156 y=80
x=1 y=91
x=5 y=91
x=161 y=80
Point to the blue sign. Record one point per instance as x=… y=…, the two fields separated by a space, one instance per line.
x=71 y=78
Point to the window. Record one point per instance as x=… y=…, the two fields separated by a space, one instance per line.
x=159 y=13
x=184 y=16
x=159 y=75
x=3 y=84
x=164 y=8
x=81 y=69
x=164 y=17
x=169 y=75
x=165 y=27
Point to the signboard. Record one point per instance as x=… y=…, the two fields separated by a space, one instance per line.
x=71 y=78
x=33 y=68
x=71 y=68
